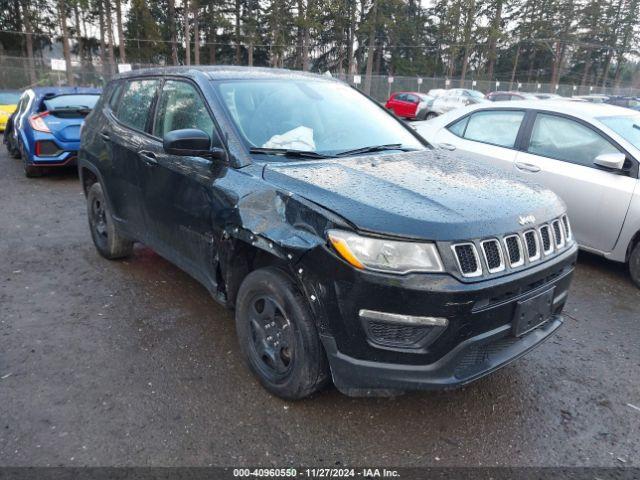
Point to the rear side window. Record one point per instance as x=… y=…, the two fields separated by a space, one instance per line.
x=181 y=106
x=494 y=127
x=135 y=102
x=565 y=139
x=115 y=95
x=458 y=127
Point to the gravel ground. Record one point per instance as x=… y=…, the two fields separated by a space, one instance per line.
x=133 y=363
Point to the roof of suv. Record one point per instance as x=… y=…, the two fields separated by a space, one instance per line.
x=226 y=72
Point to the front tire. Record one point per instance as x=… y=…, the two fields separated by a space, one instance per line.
x=634 y=264
x=278 y=336
x=108 y=241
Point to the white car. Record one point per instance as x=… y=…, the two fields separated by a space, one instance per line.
x=454 y=99
x=589 y=154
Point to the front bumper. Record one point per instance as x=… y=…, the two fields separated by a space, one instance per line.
x=477 y=340
x=470 y=360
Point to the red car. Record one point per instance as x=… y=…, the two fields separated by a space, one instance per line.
x=409 y=104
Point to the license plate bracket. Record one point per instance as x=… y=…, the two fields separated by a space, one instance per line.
x=532 y=313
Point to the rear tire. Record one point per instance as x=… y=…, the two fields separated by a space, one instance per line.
x=30 y=171
x=108 y=241
x=634 y=264
x=14 y=152
x=278 y=336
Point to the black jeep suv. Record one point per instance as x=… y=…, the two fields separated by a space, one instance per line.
x=349 y=248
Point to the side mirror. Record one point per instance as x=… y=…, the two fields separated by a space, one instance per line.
x=612 y=161
x=188 y=142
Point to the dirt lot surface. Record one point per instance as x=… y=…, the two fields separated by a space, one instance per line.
x=133 y=363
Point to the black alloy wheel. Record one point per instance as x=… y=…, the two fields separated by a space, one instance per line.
x=272 y=343
x=106 y=238
x=278 y=335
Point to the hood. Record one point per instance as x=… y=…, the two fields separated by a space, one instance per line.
x=430 y=194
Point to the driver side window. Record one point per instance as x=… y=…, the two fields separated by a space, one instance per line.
x=181 y=106
x=564 y=139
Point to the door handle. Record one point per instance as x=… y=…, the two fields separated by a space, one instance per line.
x=528 y=167
x=149 y=158
x=105 y=136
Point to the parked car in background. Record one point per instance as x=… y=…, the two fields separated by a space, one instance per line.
x=436 y=92
x=8 y=103
x=45 y=128
x=626 y=102
x=412 y=105
x=595 y=98
x=548 y=96
x=589 y=154
x=453 y=99
x=500 y=96
x=348 y=248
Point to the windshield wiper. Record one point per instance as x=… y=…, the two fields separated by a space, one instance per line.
x=375 y=148
x=71 y=109
x=287 y=152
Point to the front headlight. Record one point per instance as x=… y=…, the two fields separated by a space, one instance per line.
x=385 y=255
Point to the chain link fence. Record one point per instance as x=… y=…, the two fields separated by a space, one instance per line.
x=382 y=86
x=19 y=73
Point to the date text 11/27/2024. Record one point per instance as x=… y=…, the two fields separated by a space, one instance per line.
x=315 y=473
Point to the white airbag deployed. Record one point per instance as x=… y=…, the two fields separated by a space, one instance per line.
x=300 y=138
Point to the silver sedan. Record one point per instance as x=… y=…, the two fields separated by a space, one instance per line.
x=589 y=154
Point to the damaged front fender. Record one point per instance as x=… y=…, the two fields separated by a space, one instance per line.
x=266 y=226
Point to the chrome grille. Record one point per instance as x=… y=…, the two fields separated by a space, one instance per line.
x=514 y=250
x=545 y=234
x=558 y=233
x=493 y=255
x=567 y=227
x=467 y=258
x=533 y=247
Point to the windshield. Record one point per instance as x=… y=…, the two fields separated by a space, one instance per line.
x=627 y=126
x=71 y=101
x=319 y=116
x=475 y=94
x=9 y=98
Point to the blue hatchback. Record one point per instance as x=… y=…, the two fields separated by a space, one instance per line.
x=47 y=123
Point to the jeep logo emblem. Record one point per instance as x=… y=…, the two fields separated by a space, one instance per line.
x=526 y=219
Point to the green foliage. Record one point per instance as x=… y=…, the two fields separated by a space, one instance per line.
x=590 y=42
